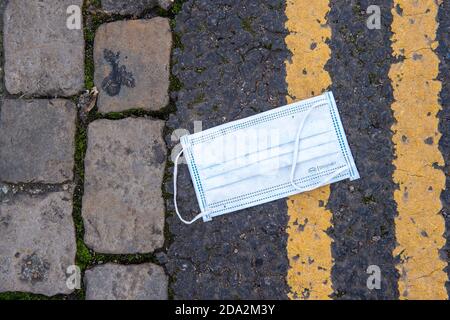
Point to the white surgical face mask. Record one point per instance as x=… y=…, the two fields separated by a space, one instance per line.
x=272 y=155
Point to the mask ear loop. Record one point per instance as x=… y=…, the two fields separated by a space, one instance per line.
x=175 y=174
x=296 y=150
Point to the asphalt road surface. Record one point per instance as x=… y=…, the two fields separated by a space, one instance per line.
x=238 y=58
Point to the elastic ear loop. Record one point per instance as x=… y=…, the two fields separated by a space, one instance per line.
x=296 y=149
x=175 y=174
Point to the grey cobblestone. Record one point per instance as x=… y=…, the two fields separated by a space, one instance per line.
x=132 y=60
x=135 y=7
x=37 y=243
x=123 y=208
x=42 y=56
x=131 y=282
x=37 y=141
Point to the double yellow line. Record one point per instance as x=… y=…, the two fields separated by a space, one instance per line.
x=419 y=226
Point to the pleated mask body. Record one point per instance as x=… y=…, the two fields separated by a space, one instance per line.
x=272 y=155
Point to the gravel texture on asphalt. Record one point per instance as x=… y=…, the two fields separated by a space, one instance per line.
x=363 y=216
x=231 y=64
x=443 y=52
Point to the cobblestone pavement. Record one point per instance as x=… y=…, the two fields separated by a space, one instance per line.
x=90 y=118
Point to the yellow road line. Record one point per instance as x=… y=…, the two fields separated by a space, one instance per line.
x=419 y=226
x=309 y=247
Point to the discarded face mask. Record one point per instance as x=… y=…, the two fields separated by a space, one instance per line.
x=272 y=155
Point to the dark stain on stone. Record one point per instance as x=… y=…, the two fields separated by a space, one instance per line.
x=417 y=56
x=158 y=154
x=306 y=293
x=404 y=139
x=128 y=151
x=34 y=269
x=399 y=10
x=5 y=221
x=119 y=75
x=54 y=213
x=301 y=227
x=156 y=230
x=429 y=140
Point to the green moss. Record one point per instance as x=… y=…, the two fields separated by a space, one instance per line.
x=23 y=296
x=162 y=114
x=171 y=293
x=91 y=23
x=224 y=59
x=247 y=25
x=356 y=9
x=177 y=41
x=199 y=98
x=84 y=256
x=200 y=70
x=95 y=3
x=88 y=76
x=278 y=6
x=176 y=7
x=175 y=84
x=268 y=46
x=369 y=199
x=372 y=78
x=126 y=114
x=98 y=258
x=161 y=12
x=80 y=150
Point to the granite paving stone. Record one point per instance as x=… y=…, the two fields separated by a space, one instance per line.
x=123 y=208
x=37 y=140
x=136 y=7
x=37 y=243
x=43 y=57
x=132 y=60
x=126 y=282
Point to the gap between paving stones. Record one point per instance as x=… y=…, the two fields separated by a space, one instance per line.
x=85 y=257
x=93 y=17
